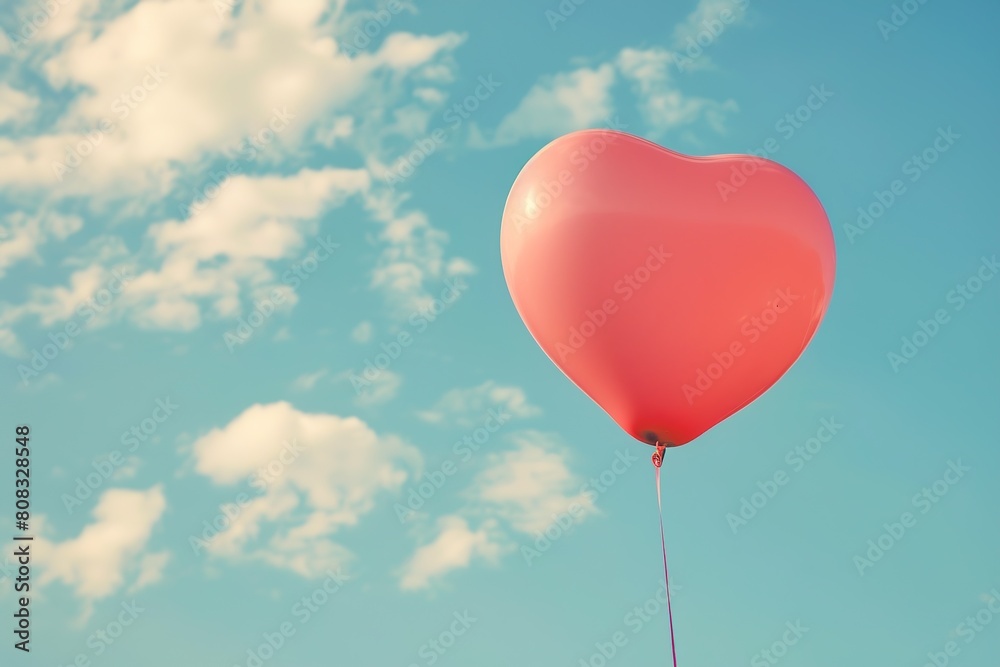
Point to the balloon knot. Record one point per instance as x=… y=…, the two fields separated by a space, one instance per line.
x=658 y=454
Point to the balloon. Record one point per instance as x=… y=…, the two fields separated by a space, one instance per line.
x=673 y=290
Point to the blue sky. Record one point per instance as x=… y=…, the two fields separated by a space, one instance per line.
x=217 y=215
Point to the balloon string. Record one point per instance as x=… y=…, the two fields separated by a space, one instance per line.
x=657 y=462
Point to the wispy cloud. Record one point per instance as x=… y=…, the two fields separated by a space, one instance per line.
x=556 y=105
x=22 y=235
x=660 y=100
x=382 y=389
x=307 y=381
x=521 y=490
x=530 y=484
x=455 y=547
x=711 y=17
x=16 y=106
x=585 y=98
x=466 y=406
x=363 y=332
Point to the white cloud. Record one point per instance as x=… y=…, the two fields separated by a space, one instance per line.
x=335 y=131
x=15 y=106
x=217 y=259
x=468 y=406
x=182 y=86
x=307 y=381
x=224 y=250
x=559 y=104
x=525 y=489
x=97 y=562
x=128 y=469
x=707 y=17
x=403 y=51
x=430 y=95
x=583 y=98
x=22 y=235
x=530 y=485
x=59 y=304
x=150 y=570
x=413 y=259
x=325 y=473
x=455 y=547
x=663 y=105
x=9 y=344
x=223 y=258
x=220 y=81
x=101 y=249
x=257 y=218
x=382 y=389
x=363 y=332
x=60 y=19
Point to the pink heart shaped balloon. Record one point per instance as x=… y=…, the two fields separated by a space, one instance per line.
x=673 y=290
